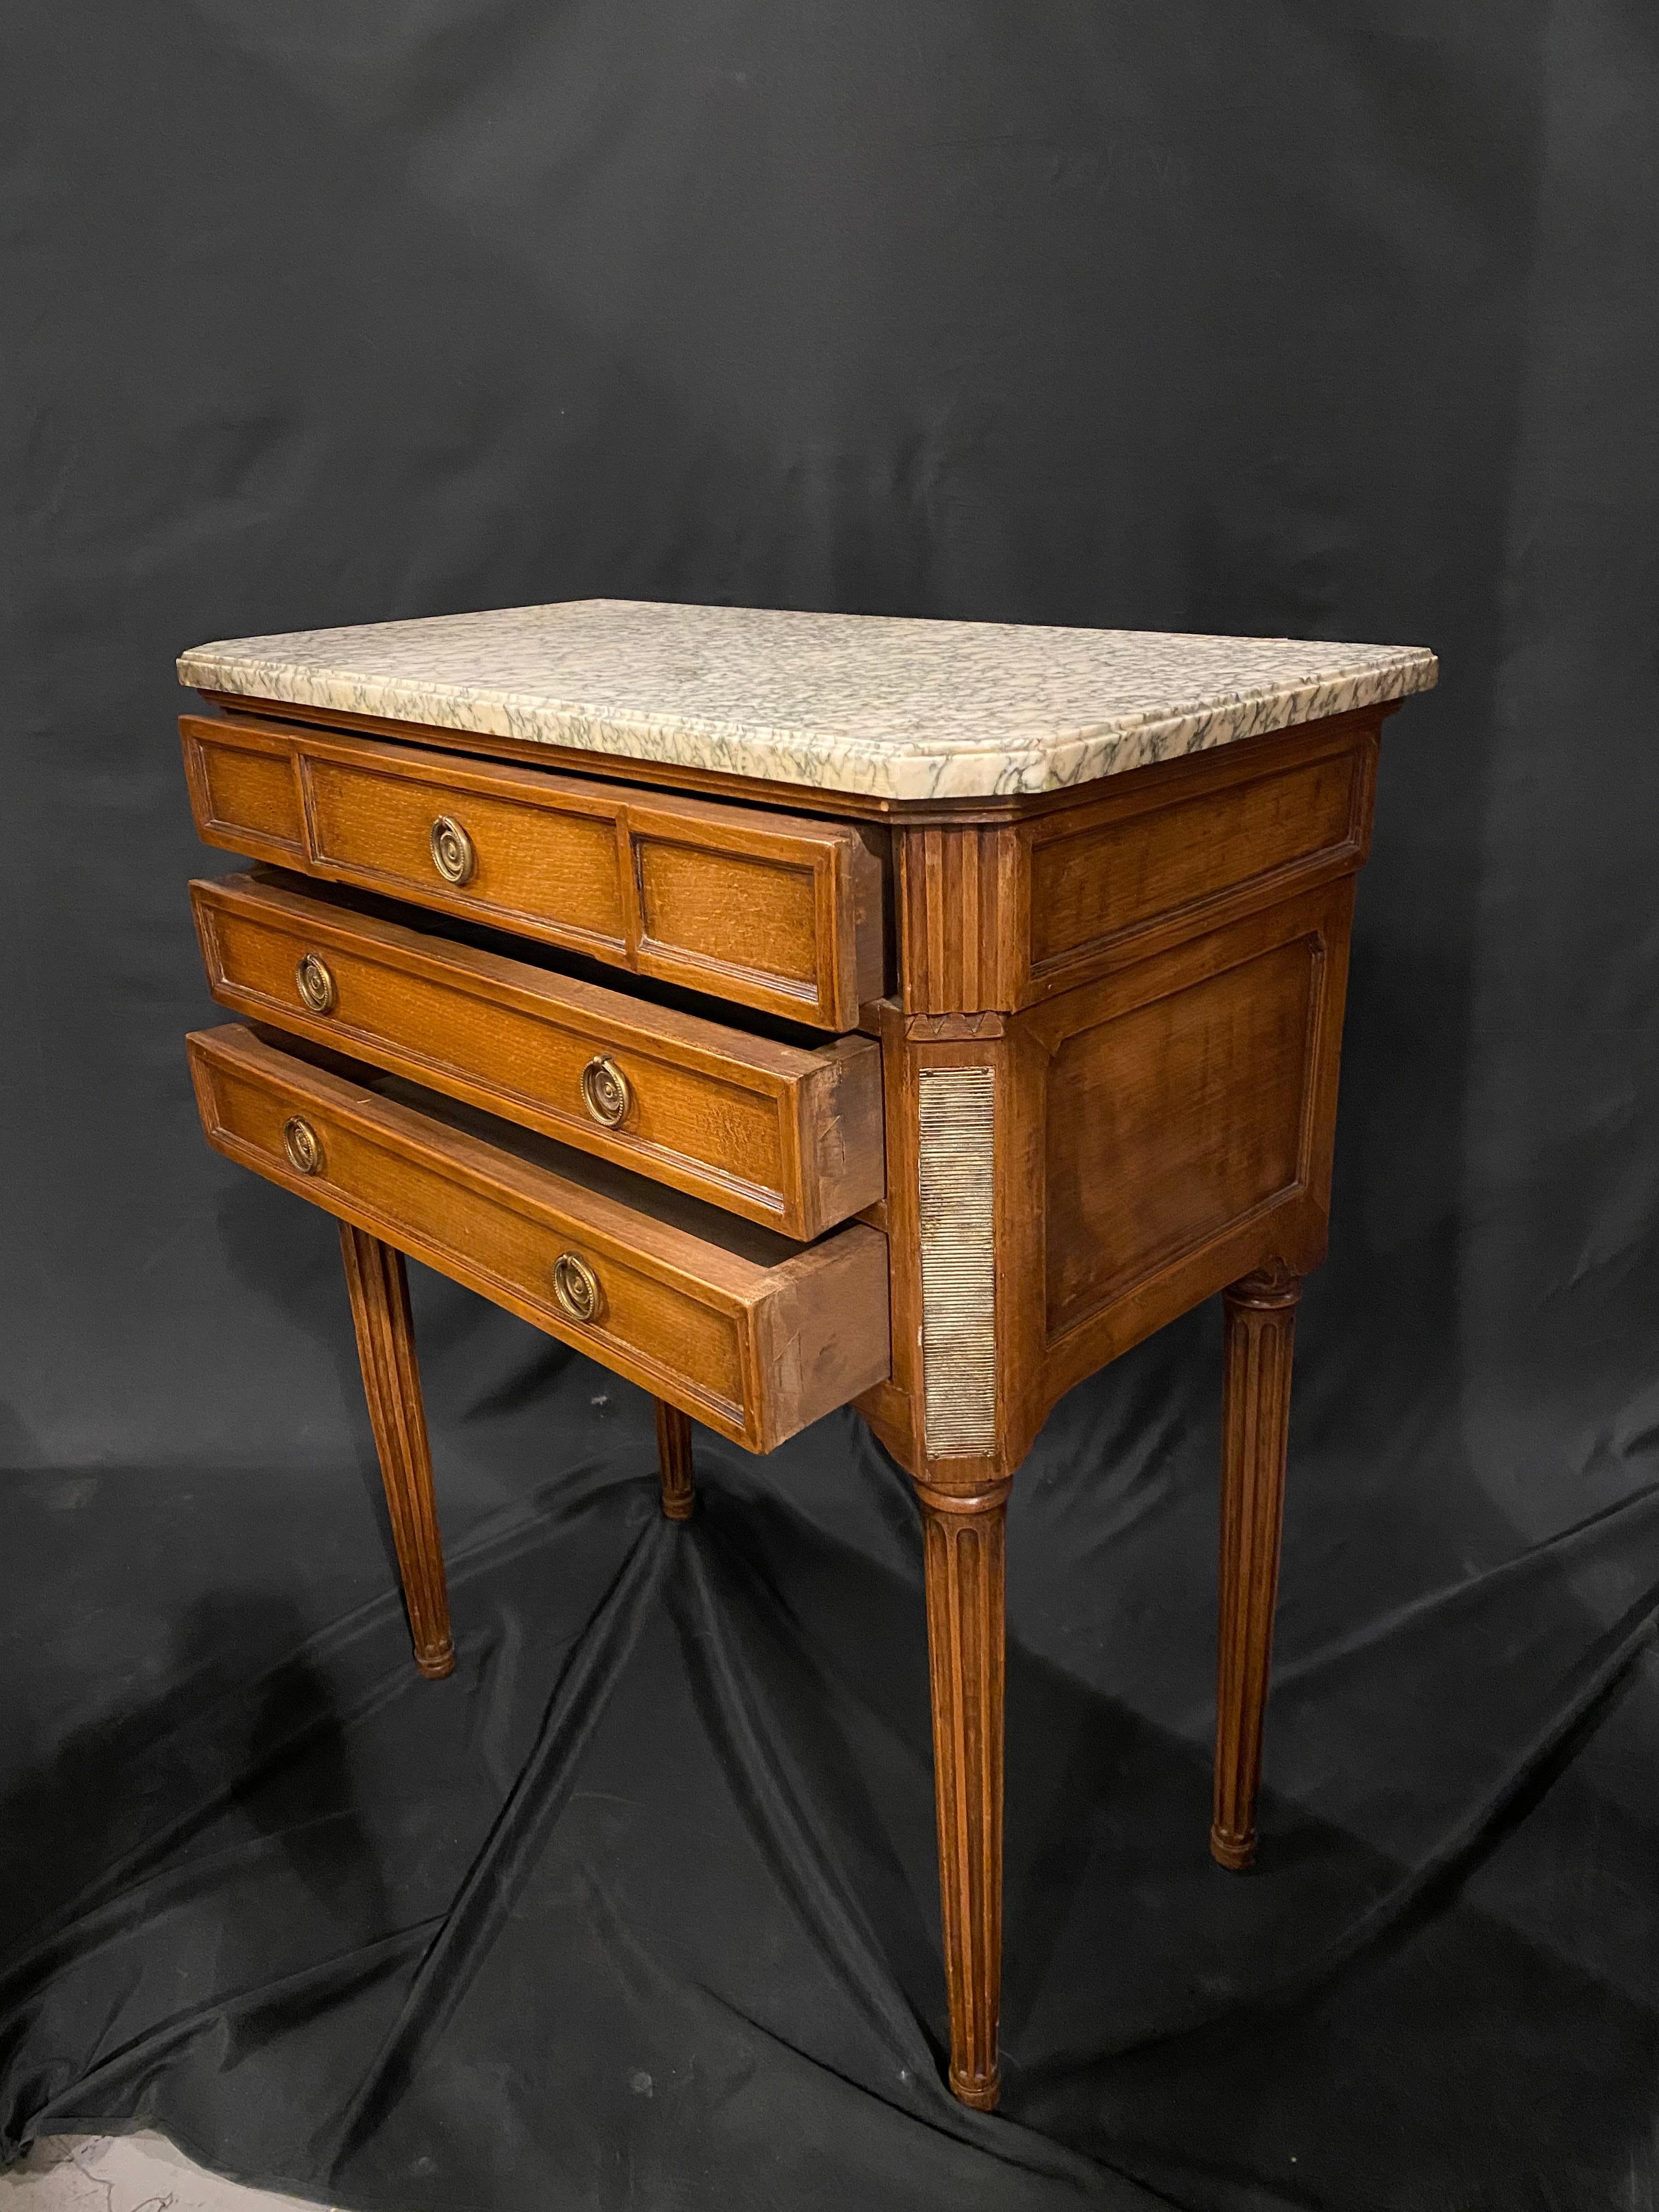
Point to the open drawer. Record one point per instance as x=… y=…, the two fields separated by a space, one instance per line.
x=746 y=1332
x=772 y=910
x=787 y=1134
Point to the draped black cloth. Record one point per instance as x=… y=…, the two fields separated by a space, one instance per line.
x=1331 y=322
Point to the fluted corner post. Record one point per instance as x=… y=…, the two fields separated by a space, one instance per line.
x=679 y=1497
x=379 y=1286
x=963 y=1539
x=1255 y=1412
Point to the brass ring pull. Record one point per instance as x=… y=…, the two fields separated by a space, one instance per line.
x=607 y=1093
x=303 y=1146
x=576 y=1288
x=453 y=855
x=315 y=984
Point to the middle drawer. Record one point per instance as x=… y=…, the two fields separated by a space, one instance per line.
x=786 y=1134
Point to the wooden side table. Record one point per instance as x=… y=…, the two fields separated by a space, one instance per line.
x=827 y=1008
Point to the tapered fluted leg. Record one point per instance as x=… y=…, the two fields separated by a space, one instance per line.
x=962 y=1539
x=674 y=1461
x=1260 y=1330
x=392 y=1382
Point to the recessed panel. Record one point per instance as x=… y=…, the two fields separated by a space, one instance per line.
x=1170 y=1123
x=253 y=793
x=560 y=870
x=734 y=913
x=1094 y=884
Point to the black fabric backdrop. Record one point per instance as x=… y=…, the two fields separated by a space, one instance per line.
x=1334 y=320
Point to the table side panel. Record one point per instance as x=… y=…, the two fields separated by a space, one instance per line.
x=999 y=917
x=1169 y=1121
x=1188 y=1110
x=1159 y=1134
x=1093 y=884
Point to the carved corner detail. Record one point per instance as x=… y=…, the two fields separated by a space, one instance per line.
x=952 y=1029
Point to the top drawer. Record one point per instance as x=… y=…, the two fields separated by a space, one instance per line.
x=770 y=910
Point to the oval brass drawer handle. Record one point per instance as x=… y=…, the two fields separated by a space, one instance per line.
x=607 y=1093
x=303 y=1145
x=453 y=855
x=315 y=983
x=576 y=1288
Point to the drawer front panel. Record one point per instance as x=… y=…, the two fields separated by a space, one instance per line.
x=418 y=1206
x=788 y=1137
x=736 y=917
x=756 y=1346
x=553 y=874
x=245 y=794
x=772 y=910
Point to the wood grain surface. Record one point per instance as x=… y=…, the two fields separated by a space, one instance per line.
x=752 y=1335
x=1256 y=1418
x=379 y=1289
x=674 y=1467
x=787 y=1136
x=771 y=909
x=1109 y=1042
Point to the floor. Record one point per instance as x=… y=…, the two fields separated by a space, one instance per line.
x=125 y=2173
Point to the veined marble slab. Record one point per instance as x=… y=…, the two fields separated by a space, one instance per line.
x=878 y=704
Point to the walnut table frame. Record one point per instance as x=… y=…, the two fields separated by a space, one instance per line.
x=1111 y=1091
x=1107 y=1016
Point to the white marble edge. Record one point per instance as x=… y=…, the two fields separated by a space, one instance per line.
x=1010 y=756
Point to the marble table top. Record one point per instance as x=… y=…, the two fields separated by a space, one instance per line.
x=877 y=704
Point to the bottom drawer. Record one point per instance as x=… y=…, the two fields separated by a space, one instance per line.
x=752 y=1335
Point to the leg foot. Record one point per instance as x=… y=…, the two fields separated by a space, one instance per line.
x=391 y=1383
x=963 y=1546
x=1261 y=1329
x=679 y=1498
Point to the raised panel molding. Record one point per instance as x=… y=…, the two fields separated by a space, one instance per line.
x=1000 y=917
x=1170 y=1123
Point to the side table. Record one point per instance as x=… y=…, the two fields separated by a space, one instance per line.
x=792 y=1010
